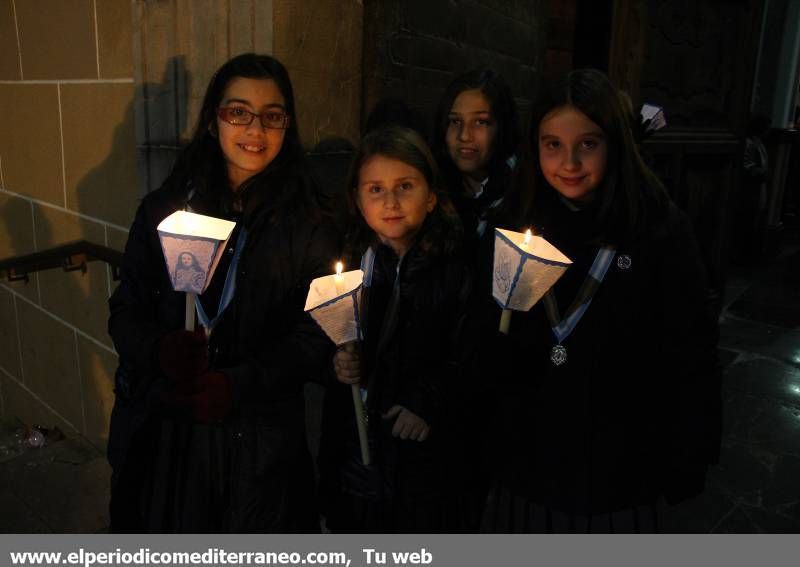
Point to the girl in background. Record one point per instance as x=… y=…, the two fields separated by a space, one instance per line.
x=407 y=237
x=619 y=402
x=209 y=436
x=475 y=140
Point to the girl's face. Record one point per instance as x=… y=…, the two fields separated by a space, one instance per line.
x=186 y=260
x=249 y=149
x=394 y=199
x=470 y=135
x=572 y=152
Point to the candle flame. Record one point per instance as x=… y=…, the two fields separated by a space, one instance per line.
x=528 y=235
x=339 y=268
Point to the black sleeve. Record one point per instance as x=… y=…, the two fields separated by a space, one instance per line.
x=277 y=370
x=133 y=323
x=435 y=382
x=688 y=363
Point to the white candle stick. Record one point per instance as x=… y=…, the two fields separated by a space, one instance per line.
x=190 y=297
x=505 y=321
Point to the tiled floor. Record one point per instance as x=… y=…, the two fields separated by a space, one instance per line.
x=756 y=487
x=63 y=487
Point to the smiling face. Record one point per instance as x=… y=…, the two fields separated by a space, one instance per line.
x=394 y=199
x=572 y=152
x=249 y=149
x=470 y=135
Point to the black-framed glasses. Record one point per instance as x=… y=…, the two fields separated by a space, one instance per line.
x=239 y=116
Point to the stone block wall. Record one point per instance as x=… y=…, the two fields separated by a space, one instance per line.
x=414 y=48
x=67 y=172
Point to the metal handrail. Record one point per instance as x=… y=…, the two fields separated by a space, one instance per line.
x=70 y=257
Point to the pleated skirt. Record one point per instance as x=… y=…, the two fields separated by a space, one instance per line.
x=506 y=512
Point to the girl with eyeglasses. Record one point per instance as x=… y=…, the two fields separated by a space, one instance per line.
x=208 y=435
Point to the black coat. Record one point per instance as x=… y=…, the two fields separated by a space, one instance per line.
x=635 y=411
x=411 y=486
x=253 y=472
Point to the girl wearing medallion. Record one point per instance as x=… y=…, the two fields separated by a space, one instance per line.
x=407 y=238
x=612 y=401
x=208 y=435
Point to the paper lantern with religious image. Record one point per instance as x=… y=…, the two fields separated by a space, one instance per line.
x=193 y=245
x=333 y=302
x=525 y=267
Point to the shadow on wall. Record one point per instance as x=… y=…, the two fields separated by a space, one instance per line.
x=72 y=372
x=154 y=118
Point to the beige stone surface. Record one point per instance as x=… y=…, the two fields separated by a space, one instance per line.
x=320 y=44
x=97 y=379
x=21 y=404
x=29 y=289
x=115 y=37
x=30 y=141
x=57 y=39
x=117 y=238
x=9 y=336
x=100 y=150
x=159 y=72
x=9 y=53
x=17 y=239
x=16 y=228
x=80 y=299
x=50 y=362
x=54 y=227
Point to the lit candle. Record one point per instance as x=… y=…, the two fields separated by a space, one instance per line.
x=527 y=241
x=338 y=279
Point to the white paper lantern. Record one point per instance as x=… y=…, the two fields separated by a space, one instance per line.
x=193 y=245
x=333 y=302
x=525 y=267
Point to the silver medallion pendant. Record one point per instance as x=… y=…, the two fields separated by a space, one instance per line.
x=558 y=355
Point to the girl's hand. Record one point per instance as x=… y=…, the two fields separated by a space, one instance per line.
x=407 y=425
x=347 y=364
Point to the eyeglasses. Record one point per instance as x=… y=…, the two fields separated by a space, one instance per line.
x=239 y=116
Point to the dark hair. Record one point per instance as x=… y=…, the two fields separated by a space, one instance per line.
x=504 y=112
x=391 y=110
x=629 y=192
x=202 y=163
x=441 y=231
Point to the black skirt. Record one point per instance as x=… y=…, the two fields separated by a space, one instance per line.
x=507 y=512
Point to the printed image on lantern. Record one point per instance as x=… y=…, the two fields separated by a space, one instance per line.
x=525 y=268
x=192 y=245
x=333 y=302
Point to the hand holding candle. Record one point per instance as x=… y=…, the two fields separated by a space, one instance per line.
x=333 y=303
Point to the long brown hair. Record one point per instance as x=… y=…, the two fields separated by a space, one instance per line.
x=441 y=232
x=629 y=195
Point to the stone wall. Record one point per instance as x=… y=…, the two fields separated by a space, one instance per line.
x=67 y=172
x=414 y=48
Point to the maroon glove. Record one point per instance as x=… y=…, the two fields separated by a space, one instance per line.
x=183 y=355
x=210 y=400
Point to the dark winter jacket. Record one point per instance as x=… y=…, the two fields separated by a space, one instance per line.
x=634 y=413
x=412 y=361
x=264 y=344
